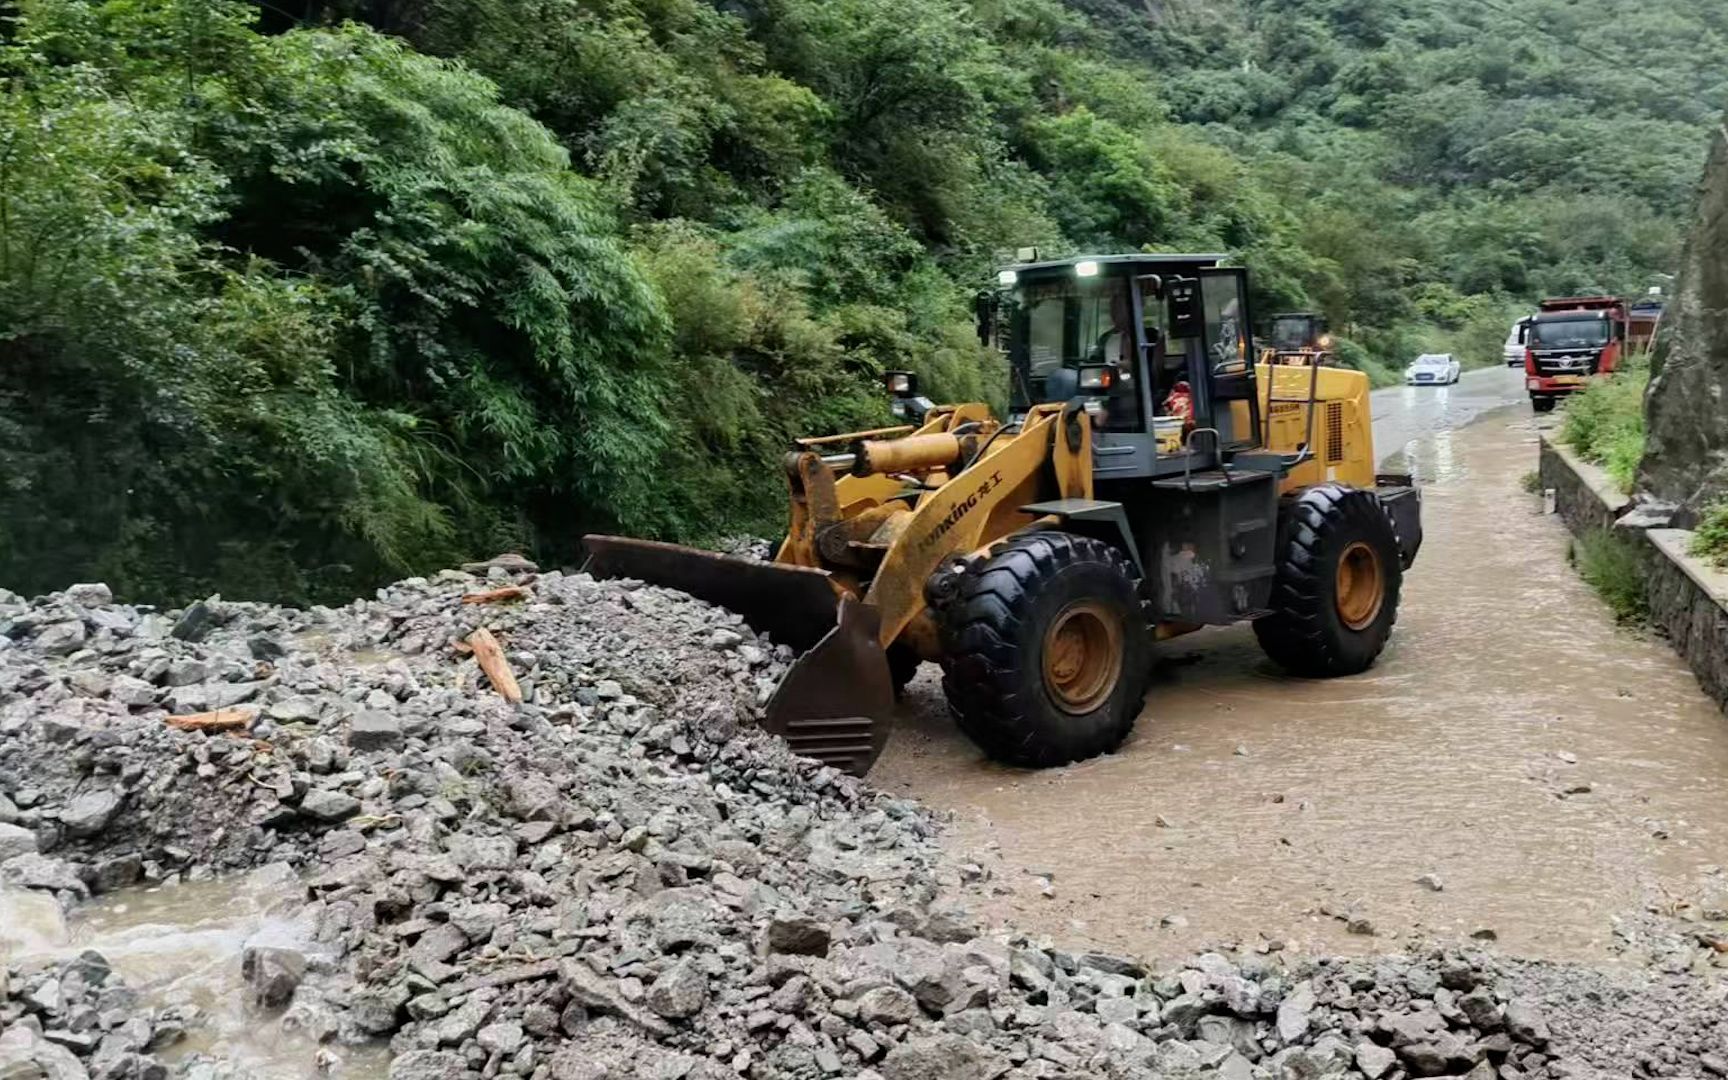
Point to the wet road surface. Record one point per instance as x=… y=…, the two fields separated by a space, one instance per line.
x=1549 y=771
x=1406 y=415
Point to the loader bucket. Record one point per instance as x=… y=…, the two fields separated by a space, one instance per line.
x=836 y=704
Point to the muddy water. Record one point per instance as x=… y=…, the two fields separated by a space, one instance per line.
x=1405 y=416
x=1512 y=742
x=182 y=944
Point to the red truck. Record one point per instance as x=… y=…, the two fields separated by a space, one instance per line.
x=1570 y=339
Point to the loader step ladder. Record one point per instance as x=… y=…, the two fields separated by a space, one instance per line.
x=1311 y=402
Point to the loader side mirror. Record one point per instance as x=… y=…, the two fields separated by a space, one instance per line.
x=901 y=384
x=984 y=311
x=1097 y=378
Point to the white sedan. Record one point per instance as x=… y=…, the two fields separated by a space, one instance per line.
x=1434 y=369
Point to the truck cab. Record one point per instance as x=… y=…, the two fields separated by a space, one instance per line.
x=1570 y=341
x=1516 y=342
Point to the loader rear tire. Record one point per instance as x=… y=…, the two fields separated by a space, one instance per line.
x=1335 y=597
x=1046 y=650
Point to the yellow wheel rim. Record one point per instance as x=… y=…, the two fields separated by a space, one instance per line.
x=1082 y=656
x=1361 y=586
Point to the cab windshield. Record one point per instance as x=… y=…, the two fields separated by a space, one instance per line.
x=1292 y=332
x=1571 y=333
x=1069 y=323
x=1064 y=322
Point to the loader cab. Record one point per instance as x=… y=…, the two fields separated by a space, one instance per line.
x=1299 y=331
x=1157 y=347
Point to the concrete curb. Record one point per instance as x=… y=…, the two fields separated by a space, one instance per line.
x=1688 y=597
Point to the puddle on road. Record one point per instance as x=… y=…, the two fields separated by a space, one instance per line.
x=1512 y=743
x=182 y=944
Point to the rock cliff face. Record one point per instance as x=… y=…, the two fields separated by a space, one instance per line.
x=1686 y=458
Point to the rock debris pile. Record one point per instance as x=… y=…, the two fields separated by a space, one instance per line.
x=618 y=877
x=75 y=1018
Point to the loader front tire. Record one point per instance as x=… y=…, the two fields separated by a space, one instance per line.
x=1046 y=650
x=1335 y=597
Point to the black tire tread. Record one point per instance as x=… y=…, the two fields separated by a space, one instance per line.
x=1301 y=634
x=980 y=659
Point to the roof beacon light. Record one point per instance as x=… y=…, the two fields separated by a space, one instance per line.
x=1086 y=268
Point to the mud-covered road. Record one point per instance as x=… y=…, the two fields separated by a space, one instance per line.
x=1515 y=764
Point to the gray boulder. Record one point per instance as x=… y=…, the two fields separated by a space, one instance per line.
x=886 y=1006
x=1525 y=1023
x=272 y=974
x=1293 y=1014
x=374 y=730
x=94 y=594
x=90 y=813
x=16 y=840
x=61 y=638
x=679 y=992
x=131 y=692
x=428 y=1065
x=482 y=852
x=1374 y=1059
x=42 y=872
x=941 y=1057
x=596 y=993
x=799 y=935
x=326 y=805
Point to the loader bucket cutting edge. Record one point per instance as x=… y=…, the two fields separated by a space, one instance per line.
x=836 y=704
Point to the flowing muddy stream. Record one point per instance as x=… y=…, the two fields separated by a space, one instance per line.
x=182 y=944
x=1548 y=771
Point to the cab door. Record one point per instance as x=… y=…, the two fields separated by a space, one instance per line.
x=1226 y=397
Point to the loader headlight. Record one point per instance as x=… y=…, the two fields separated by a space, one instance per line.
x=901 y=384
x=1086 y=268
x=1007 y=278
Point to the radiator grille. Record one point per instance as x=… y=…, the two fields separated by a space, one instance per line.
x=1334 y=432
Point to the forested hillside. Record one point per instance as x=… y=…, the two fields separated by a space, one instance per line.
x=300 y=296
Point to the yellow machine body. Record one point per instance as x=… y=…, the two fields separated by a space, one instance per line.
x=883 y=522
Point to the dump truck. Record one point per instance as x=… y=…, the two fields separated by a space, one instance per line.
x=1150 y=478
x=1644 y=323
x=1570 y=340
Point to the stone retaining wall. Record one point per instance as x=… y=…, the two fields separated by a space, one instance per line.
x=1688 y=597
x=1689 y=604
x=1584 y=497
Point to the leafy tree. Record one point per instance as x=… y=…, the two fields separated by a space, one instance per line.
x=336 y=308
x=291 y=303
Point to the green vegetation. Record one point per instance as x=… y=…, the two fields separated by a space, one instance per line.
x=1531 y=483
x=1605 y=423
x=1612 y=565
x=291 y=303
x=1710 y=538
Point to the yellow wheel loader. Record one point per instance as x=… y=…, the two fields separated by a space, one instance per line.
x=1150 y=478
x=1298 y=338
